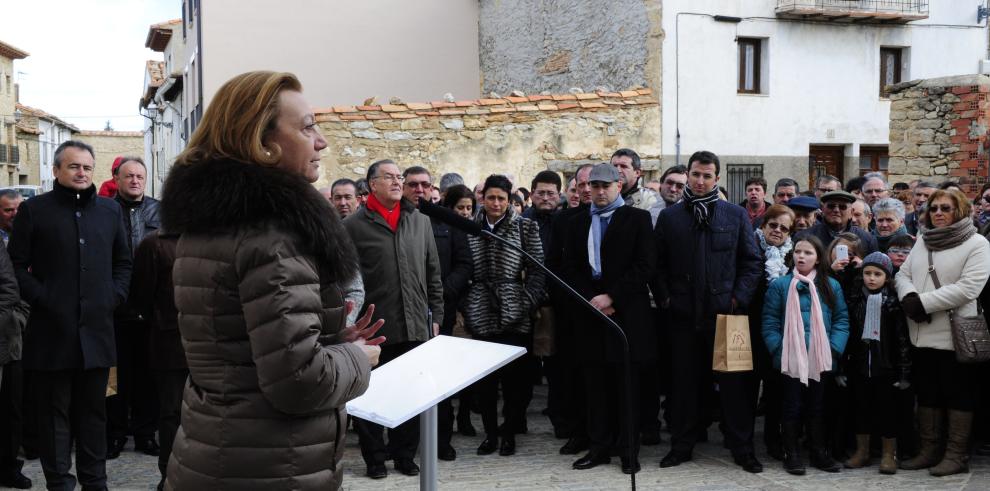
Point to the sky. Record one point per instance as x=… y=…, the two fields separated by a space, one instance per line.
x=87 y=57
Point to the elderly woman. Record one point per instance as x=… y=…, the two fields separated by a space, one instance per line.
x=256 y=276
x=888 y=213
x=951 y=249
x=505 y=291
x=774 y=240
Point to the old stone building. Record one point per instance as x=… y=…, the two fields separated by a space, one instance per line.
x=9 y=149
x=938 y=130
x=108 y=145
x=39 y=134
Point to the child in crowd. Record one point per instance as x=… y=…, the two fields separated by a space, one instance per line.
x=805 y=326
x=898 y=250
x=877 y=360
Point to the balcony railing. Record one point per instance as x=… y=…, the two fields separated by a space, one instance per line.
x=887 y=11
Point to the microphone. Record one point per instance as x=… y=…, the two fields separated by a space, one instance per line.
x=446 y=215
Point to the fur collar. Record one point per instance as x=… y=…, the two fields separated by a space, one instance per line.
x=224 y=195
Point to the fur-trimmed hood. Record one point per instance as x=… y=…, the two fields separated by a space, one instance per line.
x=226 y=195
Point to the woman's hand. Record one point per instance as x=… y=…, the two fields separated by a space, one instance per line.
x=361 y=330
x=372 y=351
x=840 y=264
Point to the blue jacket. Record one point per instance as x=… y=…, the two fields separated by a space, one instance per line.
x=836 y=320
x=699 y=270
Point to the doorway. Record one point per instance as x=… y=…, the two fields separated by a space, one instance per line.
x=825 y=159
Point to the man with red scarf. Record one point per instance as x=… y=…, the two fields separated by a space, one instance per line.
x=401 y=271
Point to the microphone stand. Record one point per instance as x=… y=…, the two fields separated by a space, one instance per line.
x=626 y=362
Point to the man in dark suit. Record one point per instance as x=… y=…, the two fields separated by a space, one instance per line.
x=73 y=264
x=609 y=258
x=707 y=264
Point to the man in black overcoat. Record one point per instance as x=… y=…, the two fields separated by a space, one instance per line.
x=609 y=257
x=73 y=265
x=707 y=264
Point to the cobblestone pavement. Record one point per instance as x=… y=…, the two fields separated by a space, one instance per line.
x=537 y=466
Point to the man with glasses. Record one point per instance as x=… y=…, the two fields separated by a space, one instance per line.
x=837 y=218
x=402 y=277
x=826 y=183
x=784 y=190
x=361 y=187
x=921 y=192
x=875 y=188
x=672 y=184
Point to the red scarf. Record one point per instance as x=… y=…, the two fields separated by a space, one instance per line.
x=391 y=216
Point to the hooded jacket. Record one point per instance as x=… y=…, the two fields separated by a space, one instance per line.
x=256 y=270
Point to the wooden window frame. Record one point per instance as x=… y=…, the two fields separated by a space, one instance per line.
x=875 y=153
x=898 y=68
x=757 y=45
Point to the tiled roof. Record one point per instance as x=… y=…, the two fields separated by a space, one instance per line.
x=11 y=52
x=38 y=113
x=23 y=128
x=510 y=104
x=159 y=34
x=110 y=133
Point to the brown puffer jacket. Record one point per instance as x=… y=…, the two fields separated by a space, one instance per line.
x=254 y=286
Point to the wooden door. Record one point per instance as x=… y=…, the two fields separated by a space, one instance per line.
x=824 y=159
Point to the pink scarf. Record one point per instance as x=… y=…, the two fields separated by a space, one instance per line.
x=798 y=361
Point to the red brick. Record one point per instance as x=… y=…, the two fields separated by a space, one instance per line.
x=960 y=156
x=404 y=115
x=961 y=123
x=477 y=110
x=465 y=103
x=564 y=97
x=537 y=98
x=352 y=117
x=971 y=114
x=631 y=102
x=567 y=105
x=614 y=103
x=324 y=117
x=344 y=109
x=967 y=164
x=503 y=109
x=958 y=172
x=960 y=90
x=369 y=108
x=973 y=97
x=592 y=105
x=645 y=91
x=960 y=107
x=584 y=97
x=960 y=138
x=629 y=93
x=490 y=102
x=442 y=104
x=969 y=147
x=547 y=107
x=984 y=88
x=516 y=100
x=394 y=108
x=451 y=112
x=427 y=113
x=322 y=110
x=608 y=94
x=376 y=116
x=419 y=106
x=527 y=108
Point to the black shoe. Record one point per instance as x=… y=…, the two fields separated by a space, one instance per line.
x=630 y=467
x=793 y=463
x=775 y=450
x=820 y=460
x=147 y=446
x=592 y=459
x=574 y=446
x=650 y=437
x=407 y=467
x=15 y=480
x=377 y=470
x=674 y=459
x=446 y=452
x=488 y=446
x=464 y=426
x=515 y=429
x=508 y=446
x=749 y=463
x=115 y=446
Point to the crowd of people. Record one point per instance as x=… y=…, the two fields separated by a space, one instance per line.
x=224 y=327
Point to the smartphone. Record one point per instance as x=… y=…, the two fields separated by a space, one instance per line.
x=841 y=252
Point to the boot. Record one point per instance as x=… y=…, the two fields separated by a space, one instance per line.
x=820 y=458
x=888 y=461
x=793 y=463
x=929 y=432
x=862 y=456
x=956 y=459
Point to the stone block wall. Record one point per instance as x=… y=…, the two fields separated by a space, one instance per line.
x=516 y=135
x=108 y=145
x=938 y=130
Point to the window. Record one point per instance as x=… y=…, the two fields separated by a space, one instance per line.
x=890 y=68
x=750 y=58
x=738 y=174
x=872 y=159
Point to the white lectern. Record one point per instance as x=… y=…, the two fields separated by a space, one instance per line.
x=415 y=382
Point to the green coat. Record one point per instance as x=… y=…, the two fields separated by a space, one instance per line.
x=401 y=271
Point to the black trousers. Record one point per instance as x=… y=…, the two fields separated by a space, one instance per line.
x=572 y=411
x=691 y=385
x=943 y=382
x=71 y=408
x=648 y=382
x=800 y=402
x=875 y=401
x=607 y=413
x=403 y=440
x=170 y=384
x=11 y=421
x=770 y=380
x=517 y=389
x=134 y=410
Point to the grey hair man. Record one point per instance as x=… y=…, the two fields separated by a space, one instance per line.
x=449 y=179
x=874 y=188
x=784 y=190
x=888 y=214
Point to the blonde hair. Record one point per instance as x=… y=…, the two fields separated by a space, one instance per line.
x=238 y=120
x=959 y=200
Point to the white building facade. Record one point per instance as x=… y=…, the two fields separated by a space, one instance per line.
x=793 y=88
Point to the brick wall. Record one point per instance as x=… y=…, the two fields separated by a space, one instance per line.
x=517 y=135
x=938 y=130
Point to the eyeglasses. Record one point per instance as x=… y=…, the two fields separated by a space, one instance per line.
x=898 y=250
x=420 y=184
x=823 y=190
x=833 y=205
x=874 y=191
x=777 y=226
x=941 y=208
x=785 y=195
x=674 y=184
x=390 y=177
x=545 y=193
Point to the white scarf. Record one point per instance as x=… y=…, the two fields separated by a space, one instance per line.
x=774 y=264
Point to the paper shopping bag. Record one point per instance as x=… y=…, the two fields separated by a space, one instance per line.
x=112 y=382
x=733 y=350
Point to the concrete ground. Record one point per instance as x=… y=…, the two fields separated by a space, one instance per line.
x=537 y=465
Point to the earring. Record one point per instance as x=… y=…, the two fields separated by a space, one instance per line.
x=268 y=153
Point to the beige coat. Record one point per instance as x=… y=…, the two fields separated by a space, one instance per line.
x=962 y=272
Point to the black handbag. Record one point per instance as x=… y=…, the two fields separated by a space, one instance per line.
x=970 y=338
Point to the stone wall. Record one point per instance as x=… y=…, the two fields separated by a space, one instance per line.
x=108 y=145
x=515 y=135
x=553 y=46
x=938 y=130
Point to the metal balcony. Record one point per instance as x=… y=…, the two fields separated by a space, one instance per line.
x=872 y=11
